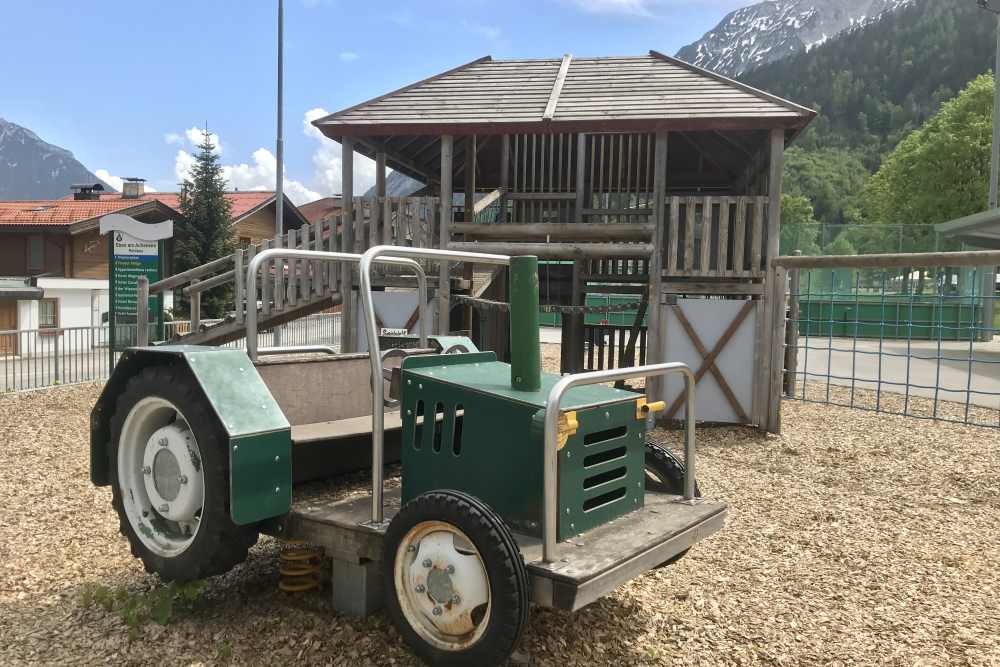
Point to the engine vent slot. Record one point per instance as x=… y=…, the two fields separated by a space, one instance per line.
x=603 y=436
x=604 y=499
x=604 y=478
x=604 y=457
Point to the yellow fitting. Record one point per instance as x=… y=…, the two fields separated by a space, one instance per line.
x=568 y=426
x=643 y=408
x=299 y=567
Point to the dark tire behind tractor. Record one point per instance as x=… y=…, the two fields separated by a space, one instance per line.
x=508 y=578
x=665 y=474
x=219 y=544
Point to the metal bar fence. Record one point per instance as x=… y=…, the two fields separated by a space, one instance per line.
x=896 y=340
x=39 y=358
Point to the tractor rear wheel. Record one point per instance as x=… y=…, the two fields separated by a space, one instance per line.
x=665 y=474
x=457 y=586
x=170 y=478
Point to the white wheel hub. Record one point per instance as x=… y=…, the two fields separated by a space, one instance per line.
x=160 y=476
x=172 y=474
x=442 y=585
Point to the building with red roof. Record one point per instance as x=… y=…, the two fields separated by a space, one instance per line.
x=54 y=262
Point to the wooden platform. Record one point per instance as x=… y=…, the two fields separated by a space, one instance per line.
x=591 y=565
x=342 y=428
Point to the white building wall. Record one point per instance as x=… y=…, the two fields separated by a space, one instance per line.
x=81 y=303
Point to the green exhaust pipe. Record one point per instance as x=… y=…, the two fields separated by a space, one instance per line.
x=525 y=357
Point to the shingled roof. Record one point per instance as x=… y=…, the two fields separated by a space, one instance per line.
x=629 y=93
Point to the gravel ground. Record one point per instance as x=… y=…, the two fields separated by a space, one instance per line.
x=854 y=538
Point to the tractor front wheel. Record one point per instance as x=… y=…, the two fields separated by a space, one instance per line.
x=170 y=478
x=458 y=589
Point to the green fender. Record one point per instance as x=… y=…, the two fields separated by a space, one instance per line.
x=260 y=443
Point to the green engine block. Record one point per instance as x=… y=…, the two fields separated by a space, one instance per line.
x=466 y=428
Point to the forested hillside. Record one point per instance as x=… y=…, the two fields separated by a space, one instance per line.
x=874 y=85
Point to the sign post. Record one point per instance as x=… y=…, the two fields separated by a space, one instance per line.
x=134 y=249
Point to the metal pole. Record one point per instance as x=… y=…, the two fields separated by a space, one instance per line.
x=142 y=312
x=279 y=195
x=525 y=366
x=375 y=353
x=350 y=258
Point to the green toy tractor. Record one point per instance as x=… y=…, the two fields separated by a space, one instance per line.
x=517 y=487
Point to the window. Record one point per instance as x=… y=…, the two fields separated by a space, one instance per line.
x=36 y=253
x=48 y=314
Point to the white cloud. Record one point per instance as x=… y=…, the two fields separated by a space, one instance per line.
x=328 y=160
x=117 y=181
x=348 y=56
x=259 y=172
x=195 y=135
x=173 y=138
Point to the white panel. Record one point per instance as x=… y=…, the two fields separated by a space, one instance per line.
x=394 y=309
x=710 y=319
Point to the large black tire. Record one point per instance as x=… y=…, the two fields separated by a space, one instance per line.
x=665 y=474
x=504 y=566
x=219 y=544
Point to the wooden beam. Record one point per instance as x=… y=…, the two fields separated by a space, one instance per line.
x=581 y=176
x=558 y=250
x=561 y=230
x=470 y=179
x=347 y=343
x=550 y=108
x=656 y=333
x=444 y=288
x=504 y=175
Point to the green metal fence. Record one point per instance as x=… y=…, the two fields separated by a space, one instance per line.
x=893 y=340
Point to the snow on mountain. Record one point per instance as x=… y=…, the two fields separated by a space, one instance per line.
x=767 y=31
x=31 y=168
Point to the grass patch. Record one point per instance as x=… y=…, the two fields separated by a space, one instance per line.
x=160 y=604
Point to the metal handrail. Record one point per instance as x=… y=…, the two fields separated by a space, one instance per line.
x=375 y=354
x=289 y=253
x=550 y=509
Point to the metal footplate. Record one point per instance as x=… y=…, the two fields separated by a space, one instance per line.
x=600 y=560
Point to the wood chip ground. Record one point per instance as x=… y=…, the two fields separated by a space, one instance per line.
x=853 y=539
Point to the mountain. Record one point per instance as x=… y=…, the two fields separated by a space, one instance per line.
x=31 y=168
x=397 y=185
x=769 y=31
x=875 y=84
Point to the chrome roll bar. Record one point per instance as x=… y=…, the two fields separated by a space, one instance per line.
x=550 y=509
x=329 y=257
x=378 y=254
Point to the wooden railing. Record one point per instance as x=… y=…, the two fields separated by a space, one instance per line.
x=289 y=285
x=721 y=237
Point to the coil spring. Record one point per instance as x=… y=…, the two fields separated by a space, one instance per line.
x=299 y=567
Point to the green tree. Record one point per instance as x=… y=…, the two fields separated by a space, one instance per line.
x=204 y=232
x=941 y=171
x=799 y=228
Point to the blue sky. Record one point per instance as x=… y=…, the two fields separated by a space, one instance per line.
x=121 y=84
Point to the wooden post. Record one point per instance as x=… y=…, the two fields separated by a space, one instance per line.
x=195 y=307
x=573 y=324
x=776 y=293
x=655 y=334
x=444 y=286
x=239 y=280
x=469 y=215
x=768 y=391
x=348 y=321
x=504 y=176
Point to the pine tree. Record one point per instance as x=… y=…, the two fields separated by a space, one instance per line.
x=204 y=233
